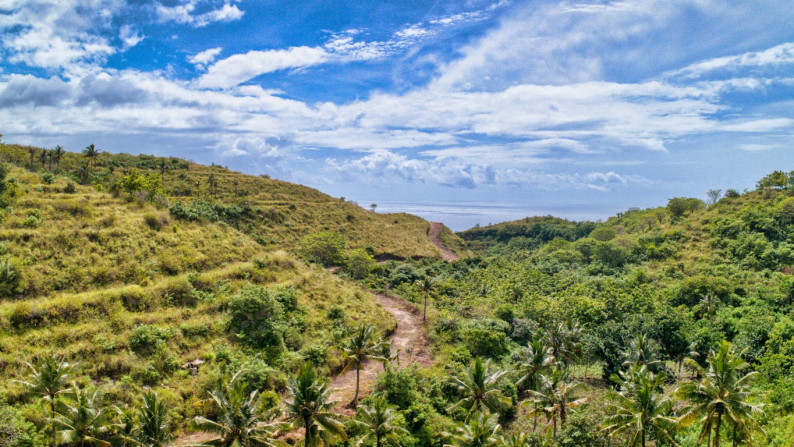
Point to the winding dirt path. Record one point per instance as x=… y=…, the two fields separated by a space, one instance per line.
x=435 y=237
x=409 y=343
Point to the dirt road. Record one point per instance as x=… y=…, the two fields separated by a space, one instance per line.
x=434 y=235
x=409 y=342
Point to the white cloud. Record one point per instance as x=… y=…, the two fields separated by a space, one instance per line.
x=185 y=14
x=202 y=59
x=782 y=54
x=130 y=36
x=242 y=67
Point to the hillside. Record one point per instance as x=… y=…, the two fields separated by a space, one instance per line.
x=273 y=212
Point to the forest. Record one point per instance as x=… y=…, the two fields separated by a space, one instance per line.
x=150 y=301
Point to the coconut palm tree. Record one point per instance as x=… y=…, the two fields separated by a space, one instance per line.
x=723 y=392
x=564 y=341
x=515 y=440
x=707 y=305
x=360 y=348
x=535 y=358
x=555 y=398
x=480 y=432
x=640 y=408
x=479 y=387
x=91 y=152
x=426 y=285
x=57 y=154
x=81 y=422
x=376 y=418
x=642 y=351
x=48 y=379
x=309 y=408
x=153 y=426
x=239 y=421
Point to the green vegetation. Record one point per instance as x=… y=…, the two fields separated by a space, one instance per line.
x=190 y=300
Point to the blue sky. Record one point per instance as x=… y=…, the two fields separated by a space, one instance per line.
x=573 y=108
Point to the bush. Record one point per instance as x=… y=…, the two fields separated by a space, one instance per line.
x=69 y=188
x=48 y=178
x=146 y=339
x=156 y=221
x=399 y=386
x=258 y=317
x=325 y=247
x=484 y=342
x=9 y=278
x=360 y=264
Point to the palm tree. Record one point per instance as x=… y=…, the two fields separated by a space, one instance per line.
x=309 y=408
x=360 y=348
x=57 y=154
x=153 y=426
x=43 y=159
x=563 y=340
x=377 y=419
x=32 y=152
x=479 y=388
x=722 y=391
x=80 y=419
x=48 y=379
x=426 y=285
x=642 y=351
x=555 y=398
x=91 y=152
x=481 y=432
x=536 y=358
x=640 y=407
x=707 y=304
x=515 y=440
x=239 y=421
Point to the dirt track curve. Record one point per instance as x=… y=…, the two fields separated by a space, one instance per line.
x=434 y=235
x=409 y=343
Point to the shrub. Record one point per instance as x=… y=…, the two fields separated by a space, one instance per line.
x=180 y=292
x=9 y=278
x=156 y=221
x=335 y=312
x=325 y=247
x=257 y=318
x=69 y=188
x=48 y=178
x=360 y=264
x=484 y=342
x=145 y=339
x=399 y=385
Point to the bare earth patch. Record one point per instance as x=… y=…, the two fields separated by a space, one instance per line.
x=434 y=235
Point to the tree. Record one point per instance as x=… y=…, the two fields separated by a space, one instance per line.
x=555 y=398
x=563 y=340
x=325 y=247
x=723 y=392
x=713 y=195
x=377 y=419
x=48 y=379
x=707 y=304
x=358 y=349
x=481 y=432
x=426 y=285
x=91 y=152
x=642 y=352
x=240 y=420
x=360 y=263
x=515 y=440
x=678 y=206
x=153 y=426
x=43 y=158
x=32 y=153
x=309 y=408
x=80 y=419
x=479 y=387
x=57 y=154
x=373 y=206
x=535 y=358
x=640 y=408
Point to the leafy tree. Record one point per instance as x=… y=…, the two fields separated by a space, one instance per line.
x=479 y=387
x=377 y=419
x=713 y=195
x=678 y=206
x=81 y=421
x=722 y=393
x=240 y=419
x=257 y=316
x=361 y=347
x=555 y=398
x=640 y=408
x=309 y=408
x=48 y=379
x=480 y=432
x=326 y=247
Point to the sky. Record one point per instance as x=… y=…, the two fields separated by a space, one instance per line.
x=466 y=112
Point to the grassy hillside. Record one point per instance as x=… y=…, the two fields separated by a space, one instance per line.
x=274 y=213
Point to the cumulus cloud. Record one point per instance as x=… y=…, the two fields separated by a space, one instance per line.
x=204 y=58
x=186 y=14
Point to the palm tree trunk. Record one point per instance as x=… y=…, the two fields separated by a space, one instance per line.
x=306 y=438
x=52 y=418
x=355 y=398
x=424 y=312
x=643 y=437
x=734 y=434
x=554 y=421
x=377 y=440
x=717 y=430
